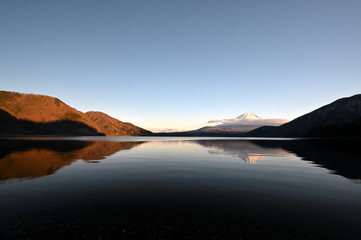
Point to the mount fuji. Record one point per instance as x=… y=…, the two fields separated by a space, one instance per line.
x=248 y=116
x=245 y=122
x=339 y=119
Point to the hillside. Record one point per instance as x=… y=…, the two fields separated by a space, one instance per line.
x=9 y=125
x=41 y=108
x=113 y=127
x=341 y=118
x=45 y=115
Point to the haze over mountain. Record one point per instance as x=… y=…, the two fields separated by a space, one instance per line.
x=242 y=117
x=245 y=122
x=40 y=114
x=230 y=127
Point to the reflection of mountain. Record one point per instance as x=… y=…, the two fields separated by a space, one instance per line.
x=250 y=158
x=246 y=150
x=341 y=157
x=100 y=149
x=22 y=159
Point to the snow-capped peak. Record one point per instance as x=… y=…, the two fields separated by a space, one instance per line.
x=248 y=116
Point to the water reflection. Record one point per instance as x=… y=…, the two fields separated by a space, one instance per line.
x=22 y=159
x=26 y=159
x=180 y=190
x=248 y=151
x=341 y=157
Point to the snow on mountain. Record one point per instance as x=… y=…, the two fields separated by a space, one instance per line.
x=246 y=122
x=248 y=116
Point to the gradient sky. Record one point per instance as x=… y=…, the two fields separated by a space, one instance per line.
x=178 y=64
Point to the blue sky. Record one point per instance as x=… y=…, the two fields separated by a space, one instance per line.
x=178 y=64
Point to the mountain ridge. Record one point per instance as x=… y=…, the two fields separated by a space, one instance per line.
x=33 y=114
x=340 y=118
x=113 y=127
x=40 y=114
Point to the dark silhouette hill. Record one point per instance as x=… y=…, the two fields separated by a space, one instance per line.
x=43 y=115
x=341 y=118
x=113 y=127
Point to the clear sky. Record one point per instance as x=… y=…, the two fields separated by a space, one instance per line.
x=177 y=64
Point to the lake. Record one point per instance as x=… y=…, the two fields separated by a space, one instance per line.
x=179 y=188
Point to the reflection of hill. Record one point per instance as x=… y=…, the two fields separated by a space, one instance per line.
x=246 y=150
x=22 y=159
x=341 y=157
x=100 y=149
x=33 y=163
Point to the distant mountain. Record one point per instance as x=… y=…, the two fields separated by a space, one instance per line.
x=341 y=118
x=113 y=127
x=248 y=116
x=204 y=132
x=234 y=127
x=38 y=114
x=245 y=122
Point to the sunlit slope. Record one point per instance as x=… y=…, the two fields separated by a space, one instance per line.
x=42 y=111
x=113 y=127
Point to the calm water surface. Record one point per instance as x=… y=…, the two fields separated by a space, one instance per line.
x=179 y=188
